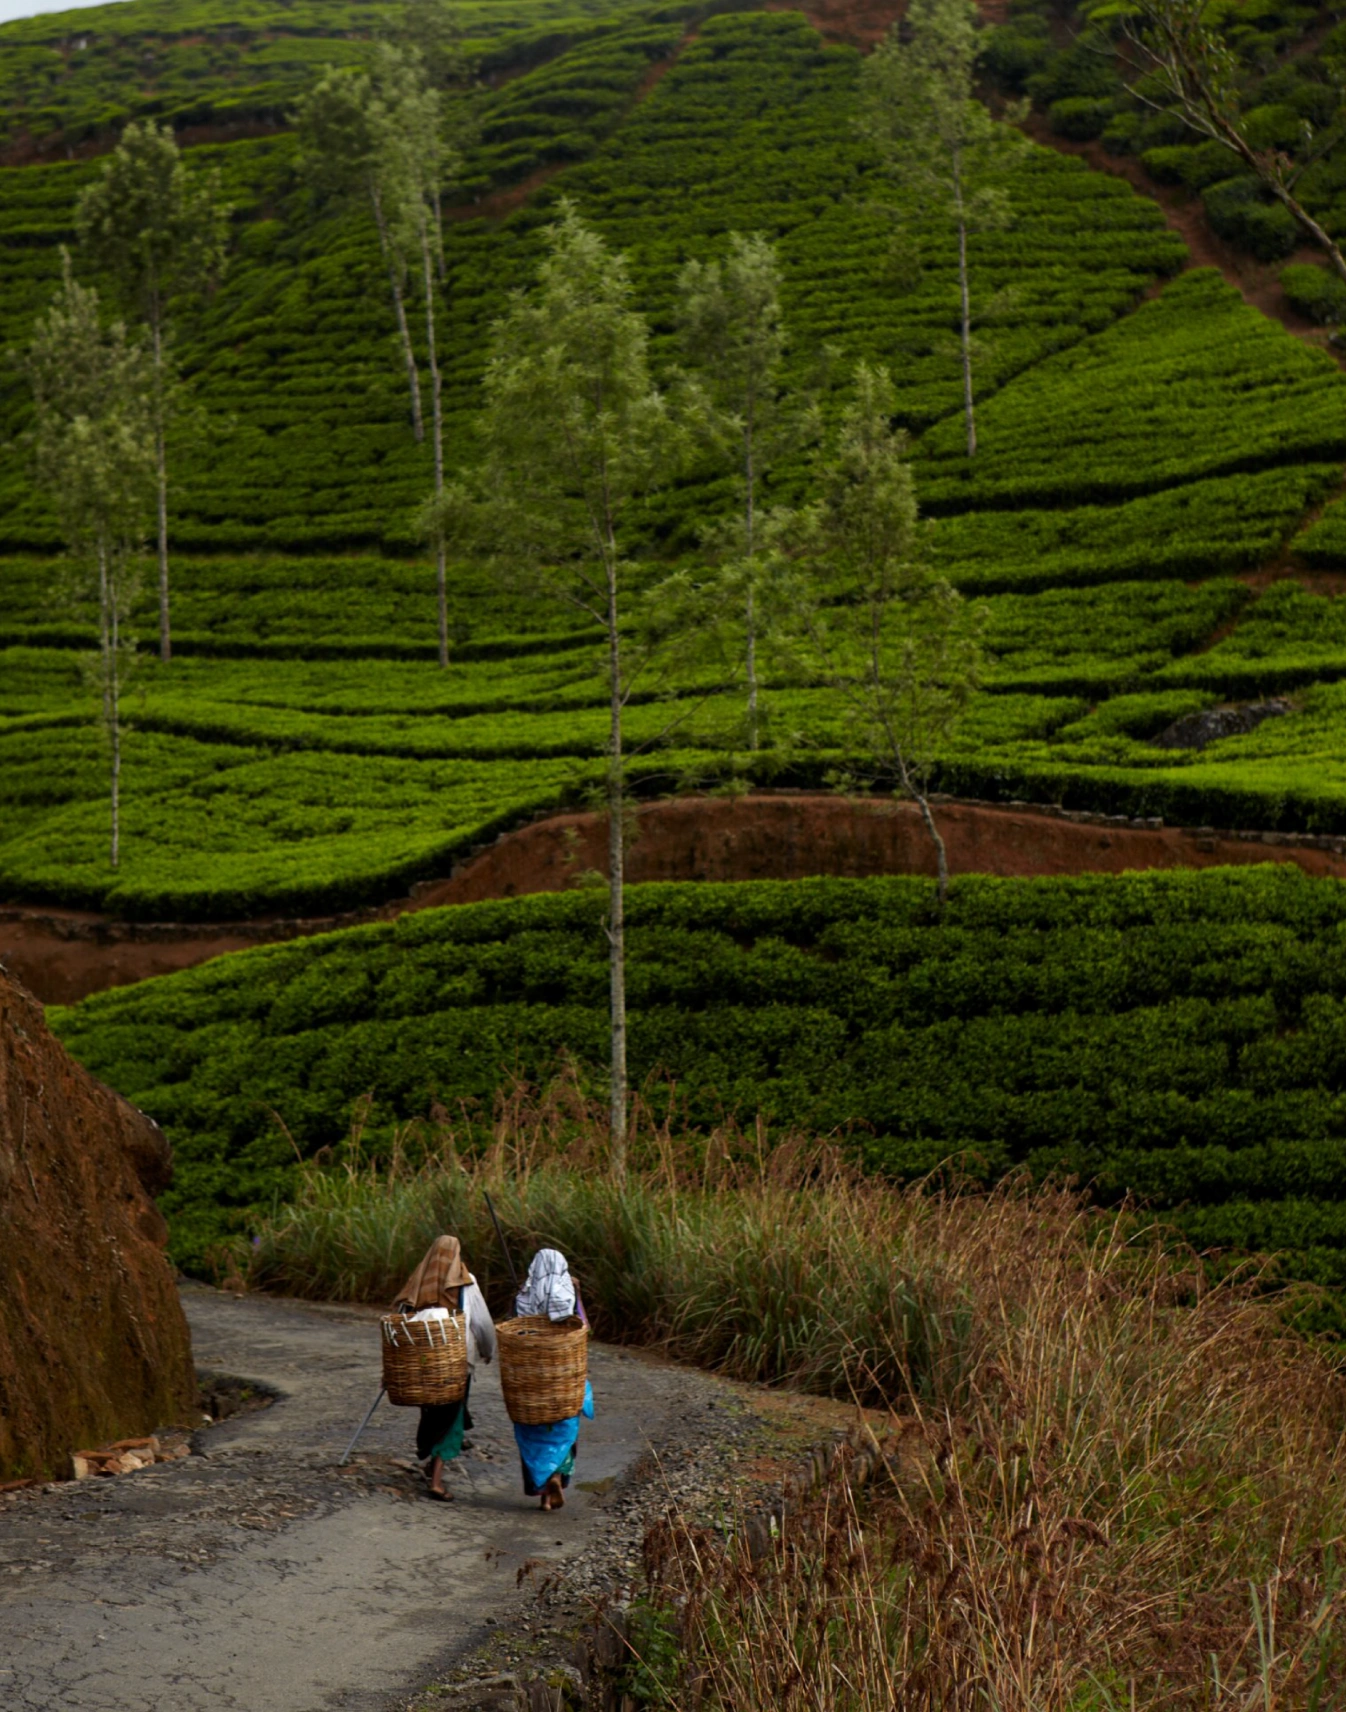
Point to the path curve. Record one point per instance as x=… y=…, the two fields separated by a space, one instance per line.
x=64 y=955
x=256 y=1575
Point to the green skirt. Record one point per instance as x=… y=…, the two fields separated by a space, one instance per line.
x=441 y=1428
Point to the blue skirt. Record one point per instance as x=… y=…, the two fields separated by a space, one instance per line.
x=550 y=1449
x=547 y=1450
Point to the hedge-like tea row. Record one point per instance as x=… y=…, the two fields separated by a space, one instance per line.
x=193 y=62
x=1180 y=1034
x=295 y=360
x=1195 y=384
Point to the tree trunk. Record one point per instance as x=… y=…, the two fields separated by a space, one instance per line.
x=161 y=473
x=1309 y=225
x=439 y=236
x=616 y=890
x=941 y=854
x=104 y=632
x=923 y=803
x=443 y=599
x=400 y=309
x=750 y=616
x=1200 y=111
x=966 y=300
x=751 y=623
x=437 y=431
x=1257 y=161
x=116 y=765
x=108 y=640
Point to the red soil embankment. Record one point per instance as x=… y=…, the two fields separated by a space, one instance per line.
x=93 y=1342
x=63 y=956
x=860 y=23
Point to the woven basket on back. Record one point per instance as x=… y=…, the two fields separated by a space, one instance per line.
x=542 y=1368
x=424 y=1361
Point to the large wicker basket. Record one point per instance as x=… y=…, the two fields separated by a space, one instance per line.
x=424 y=1361
x=543 y=1367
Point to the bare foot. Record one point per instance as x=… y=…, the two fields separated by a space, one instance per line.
x=552 y=1496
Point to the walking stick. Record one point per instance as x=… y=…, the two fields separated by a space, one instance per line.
x=513 y=1275
x=369 y=1416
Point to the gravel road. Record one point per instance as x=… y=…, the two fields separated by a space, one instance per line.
x=255 y=1576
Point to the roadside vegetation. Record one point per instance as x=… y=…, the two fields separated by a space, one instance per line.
x=1096 y=1480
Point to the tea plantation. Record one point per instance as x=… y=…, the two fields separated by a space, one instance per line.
x=1178 y=1035
x=1153 y=510
x=1145 y=440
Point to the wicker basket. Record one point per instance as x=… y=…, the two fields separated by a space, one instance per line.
x=424 y=1361
x=542 y=1368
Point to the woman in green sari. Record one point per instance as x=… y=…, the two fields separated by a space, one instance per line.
x=442 y=1285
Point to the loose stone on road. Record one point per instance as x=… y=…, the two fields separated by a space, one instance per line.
x=256 y=1576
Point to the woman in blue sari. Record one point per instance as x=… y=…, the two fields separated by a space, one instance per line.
x=547 y=1452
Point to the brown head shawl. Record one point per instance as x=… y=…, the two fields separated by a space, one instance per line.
x=435 y=1282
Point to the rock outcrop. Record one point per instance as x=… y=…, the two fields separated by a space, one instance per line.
x=1199 y=730
x=93 y=1342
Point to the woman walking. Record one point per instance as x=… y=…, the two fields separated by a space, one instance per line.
x=547 y=1452
x=442 y=1285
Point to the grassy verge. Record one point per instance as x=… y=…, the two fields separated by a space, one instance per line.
x=1108 y=1484
x=686 y=1253
x=1125 y=1503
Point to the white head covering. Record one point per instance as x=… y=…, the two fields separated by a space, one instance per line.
x=548 y=1288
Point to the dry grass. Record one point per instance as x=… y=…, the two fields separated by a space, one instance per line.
x=1108 y=1485
x=1134 y=1500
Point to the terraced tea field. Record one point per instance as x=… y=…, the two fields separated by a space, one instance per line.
x=1140 y=453
x=1178 y=1036
x=1153 y=520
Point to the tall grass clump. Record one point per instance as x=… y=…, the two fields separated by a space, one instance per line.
x=1134 y=1499
x=1105 y=1482
x=777 y=1263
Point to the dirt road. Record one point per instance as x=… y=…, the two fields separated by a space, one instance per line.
x=256 y=1577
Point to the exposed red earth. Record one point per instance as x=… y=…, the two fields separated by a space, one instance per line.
x=63 y=955
x=93 y=1341
x=862 y=23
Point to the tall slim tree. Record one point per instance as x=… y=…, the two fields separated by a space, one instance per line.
x=96 y=453
x=576 y=432
x=1182 y=63
x=733 y=333
x=433 y=30
x=419 y=161
x=343 y=129
x=160 y=234
x=899 y=645
x=939 y=144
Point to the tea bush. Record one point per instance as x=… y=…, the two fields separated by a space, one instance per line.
x=1176 y=1034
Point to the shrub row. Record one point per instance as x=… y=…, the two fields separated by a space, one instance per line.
x=1169 y=1033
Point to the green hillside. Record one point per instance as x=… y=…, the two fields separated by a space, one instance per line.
x=1145 y=440
x=1287 y=92
x=67 y=77
x=1151 y=516
x=1175 y=1035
